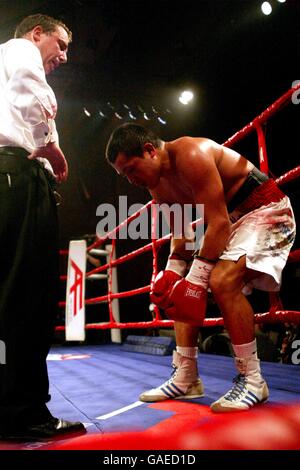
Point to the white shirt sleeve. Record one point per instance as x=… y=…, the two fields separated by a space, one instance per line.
x=28 y=91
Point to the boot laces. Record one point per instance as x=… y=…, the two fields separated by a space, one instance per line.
x=173 y=373
x=172 y=376
x=238 y=388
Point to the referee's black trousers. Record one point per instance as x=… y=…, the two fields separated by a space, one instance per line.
x=29 y=287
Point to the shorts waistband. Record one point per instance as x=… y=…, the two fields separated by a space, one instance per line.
x=254 y=179
x=263 y=195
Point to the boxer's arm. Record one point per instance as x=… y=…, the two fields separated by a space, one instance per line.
x=177 y=263
x=199 y=172
x=189 y=295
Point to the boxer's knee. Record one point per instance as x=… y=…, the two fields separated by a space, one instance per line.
x=224 y=280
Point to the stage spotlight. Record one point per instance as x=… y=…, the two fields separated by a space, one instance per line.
x=266 y=8
x=131 y=116
x=186 y=97
x=162 y=121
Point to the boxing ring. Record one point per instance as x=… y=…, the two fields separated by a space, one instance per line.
x=100 y=384
x=282 y=418
x=275 y=313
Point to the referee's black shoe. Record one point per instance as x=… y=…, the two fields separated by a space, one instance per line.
x=52 y=428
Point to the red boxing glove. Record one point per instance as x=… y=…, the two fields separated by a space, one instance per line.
x=189 y=295
x=189 y=303
x=165 y=280
x=162 y=286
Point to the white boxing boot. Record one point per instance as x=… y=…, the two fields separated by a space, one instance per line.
x=184 y=382
x=249 y=388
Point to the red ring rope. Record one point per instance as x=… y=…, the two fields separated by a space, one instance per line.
x=272 y=316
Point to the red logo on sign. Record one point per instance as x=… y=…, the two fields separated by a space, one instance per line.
x=77 y=288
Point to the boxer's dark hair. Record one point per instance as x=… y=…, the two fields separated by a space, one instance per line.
x=129 y=139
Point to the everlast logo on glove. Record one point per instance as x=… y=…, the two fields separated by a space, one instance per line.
x=193 y=293
x=189 y=295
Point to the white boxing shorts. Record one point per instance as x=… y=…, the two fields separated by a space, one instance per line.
x=265 y=236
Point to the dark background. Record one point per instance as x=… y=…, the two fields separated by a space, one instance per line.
x=143 y=54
